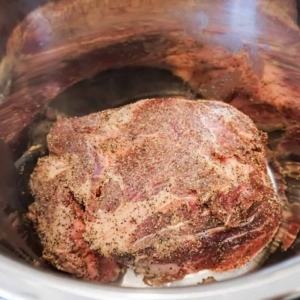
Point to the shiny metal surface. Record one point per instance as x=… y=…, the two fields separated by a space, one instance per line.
x=277 y=281
x=60 y=51
x=49 y=51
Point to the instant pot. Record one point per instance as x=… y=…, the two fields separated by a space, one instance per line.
x=65 y=58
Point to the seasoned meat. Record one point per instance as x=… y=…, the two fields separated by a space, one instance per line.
x=169 y=187
x=60 y=224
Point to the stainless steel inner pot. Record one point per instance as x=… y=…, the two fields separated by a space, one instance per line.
x=73 y=57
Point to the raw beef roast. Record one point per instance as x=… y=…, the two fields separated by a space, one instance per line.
x=165 y=186
x=60 y=224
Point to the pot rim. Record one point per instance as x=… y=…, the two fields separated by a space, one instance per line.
x=280 y=279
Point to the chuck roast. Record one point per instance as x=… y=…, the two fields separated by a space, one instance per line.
x=165 y=186
x=59 y=220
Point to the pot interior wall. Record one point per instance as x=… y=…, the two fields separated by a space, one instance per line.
x=108 y=89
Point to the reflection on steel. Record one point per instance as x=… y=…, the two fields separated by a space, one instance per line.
x=242 y=52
